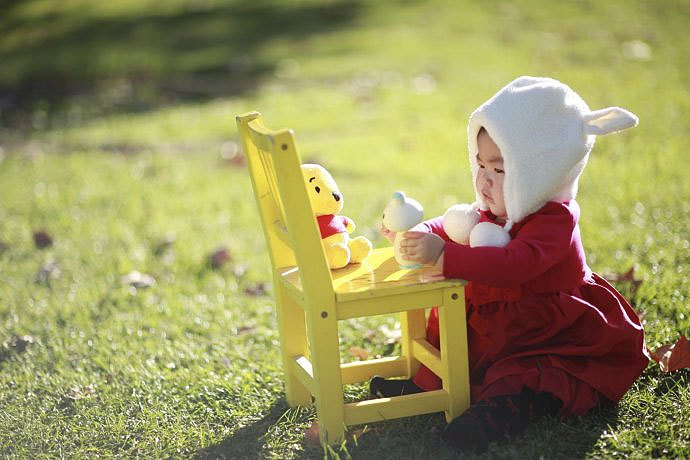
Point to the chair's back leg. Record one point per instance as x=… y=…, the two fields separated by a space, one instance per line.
x=412 y=327
x=293 y=342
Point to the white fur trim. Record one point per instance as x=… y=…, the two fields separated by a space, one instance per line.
x=459 y=220
x=489 y=234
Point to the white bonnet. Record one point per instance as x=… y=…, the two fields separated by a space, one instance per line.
x=545 y=132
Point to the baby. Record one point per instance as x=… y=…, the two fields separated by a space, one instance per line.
x=546 y=336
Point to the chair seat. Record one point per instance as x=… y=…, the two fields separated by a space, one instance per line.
x=379 y=275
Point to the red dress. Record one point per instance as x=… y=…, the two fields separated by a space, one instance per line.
x=538 y=317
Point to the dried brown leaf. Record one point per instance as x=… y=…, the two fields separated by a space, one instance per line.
x=78 y=392
x=359 y=352
x=312 y=435
x=244 y=330
x=672 y=357
x=627 y=277
x=219 y=257
x=42 y=239
x=256 y=290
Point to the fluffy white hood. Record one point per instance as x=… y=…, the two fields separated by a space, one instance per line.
x=545 y=132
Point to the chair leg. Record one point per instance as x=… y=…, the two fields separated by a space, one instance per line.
x=454 y=361
x=411 y=327
x=322 y=329
x=293 y=339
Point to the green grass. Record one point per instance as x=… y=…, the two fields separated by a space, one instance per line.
x=113 y=119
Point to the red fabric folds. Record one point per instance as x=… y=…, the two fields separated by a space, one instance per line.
x=584 y=344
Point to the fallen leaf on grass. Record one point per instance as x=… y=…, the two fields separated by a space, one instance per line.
x=359 y=352
x=219 y=257
x=42 y=239
x=312 y=434
x=256 y=290
x=672 y=357
x=75 y=393
x=627 y=277
x=19 y=343
x=138 y=280
x=48 y=271
x=244 y=330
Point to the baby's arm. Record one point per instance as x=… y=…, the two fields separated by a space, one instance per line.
x=541 y=243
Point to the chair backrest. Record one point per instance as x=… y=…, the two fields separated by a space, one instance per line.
x=290 y=228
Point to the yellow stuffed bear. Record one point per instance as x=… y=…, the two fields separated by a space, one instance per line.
x=326 y=200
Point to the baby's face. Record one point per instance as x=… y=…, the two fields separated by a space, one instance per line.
x=490 y=175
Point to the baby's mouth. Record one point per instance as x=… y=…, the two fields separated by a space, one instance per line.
x=487 y=197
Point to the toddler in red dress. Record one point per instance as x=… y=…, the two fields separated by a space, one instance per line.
x=545 y=334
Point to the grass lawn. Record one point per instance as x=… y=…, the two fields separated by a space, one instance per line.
x=117 y=140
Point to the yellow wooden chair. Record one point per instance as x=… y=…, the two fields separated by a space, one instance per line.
x=311 y=299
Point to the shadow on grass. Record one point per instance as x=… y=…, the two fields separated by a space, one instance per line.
x=248 y=441
x=73 y=60
x=572 y=437
x=419 y=437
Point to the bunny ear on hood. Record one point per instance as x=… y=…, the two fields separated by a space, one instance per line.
x=608 y=120
x=545 y=132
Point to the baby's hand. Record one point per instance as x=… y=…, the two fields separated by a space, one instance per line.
x=424 y=248
x=388 y=234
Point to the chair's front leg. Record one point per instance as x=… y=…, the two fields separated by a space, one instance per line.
x=454 y=357
x=322 y=328
x=293 y=339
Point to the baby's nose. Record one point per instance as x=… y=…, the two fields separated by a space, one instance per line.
x=336 y=196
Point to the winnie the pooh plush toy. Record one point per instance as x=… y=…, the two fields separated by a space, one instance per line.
x=326 y=200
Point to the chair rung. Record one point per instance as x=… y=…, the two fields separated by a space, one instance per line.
x=301 y=368
x=428 y=355
x=376 y=410
x=392 y=303
x=360 y=371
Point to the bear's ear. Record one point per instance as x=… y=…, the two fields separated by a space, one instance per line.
x=608 y=120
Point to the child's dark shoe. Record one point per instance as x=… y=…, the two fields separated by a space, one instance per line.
x=386 y=388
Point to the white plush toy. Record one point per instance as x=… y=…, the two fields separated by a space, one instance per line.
x=461 y=224
x=400 y=215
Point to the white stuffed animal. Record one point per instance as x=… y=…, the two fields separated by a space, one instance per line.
x=461 y=224
x=400 y=215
